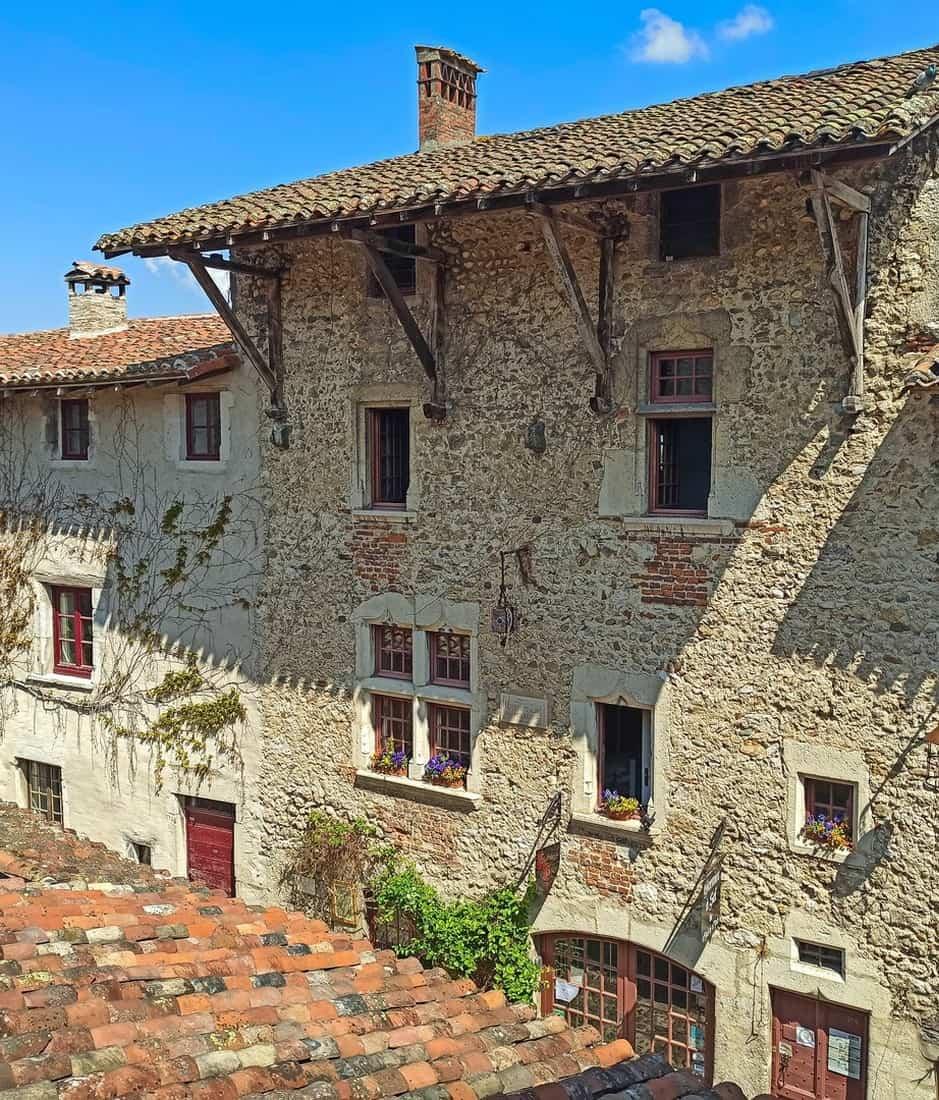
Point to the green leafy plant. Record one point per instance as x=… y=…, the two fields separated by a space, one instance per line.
x=486 y=940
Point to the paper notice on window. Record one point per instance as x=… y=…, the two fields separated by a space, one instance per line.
x=844 y=1053
x=697 y=985
x=565 y=991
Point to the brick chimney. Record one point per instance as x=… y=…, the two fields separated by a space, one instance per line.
x=96 y=299
x=446 y=97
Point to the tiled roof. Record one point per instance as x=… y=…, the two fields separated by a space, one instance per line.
x=154 y=346
x=451 y=55
x=864 y=102
x=158 y=989
x=96 y=271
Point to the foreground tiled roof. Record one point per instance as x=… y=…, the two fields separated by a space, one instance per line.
x=858 y=103
x=158 y=989
x=153 y=346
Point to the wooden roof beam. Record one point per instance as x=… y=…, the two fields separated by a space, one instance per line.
x=388 y=244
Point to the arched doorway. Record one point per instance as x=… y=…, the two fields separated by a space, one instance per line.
x=628 y=991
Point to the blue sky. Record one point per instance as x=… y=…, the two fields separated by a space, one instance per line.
x=113 y=112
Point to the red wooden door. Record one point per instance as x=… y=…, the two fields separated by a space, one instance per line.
x=819 y=1049
x=210 y=843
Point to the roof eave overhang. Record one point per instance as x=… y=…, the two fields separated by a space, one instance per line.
x=570 y=191
x=208 y=368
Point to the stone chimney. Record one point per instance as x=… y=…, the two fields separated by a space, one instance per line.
x=446 y=97
x=96 y=299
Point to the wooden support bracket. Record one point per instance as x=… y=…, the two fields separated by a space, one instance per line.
x=210 y=259
x=268 y=369
x=565 y=217
x=396 y=248
x=594 y=338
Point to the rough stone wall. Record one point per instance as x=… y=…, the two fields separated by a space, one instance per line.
x=801 y=622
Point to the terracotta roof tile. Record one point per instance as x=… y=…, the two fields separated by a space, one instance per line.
x=866 y=101
x=95 y=270
x=171 y=347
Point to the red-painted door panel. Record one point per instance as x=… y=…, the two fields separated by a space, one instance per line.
x=819 y=1049
x=210 y=843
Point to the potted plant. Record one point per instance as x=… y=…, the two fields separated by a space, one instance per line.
x=618 y=807
x=389 y=763
x=827 y=832
x=444 y=772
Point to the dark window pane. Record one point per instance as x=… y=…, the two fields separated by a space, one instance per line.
x=75 y=434
x=390 y=441
x=403 y=268
x=622 y=766
x=203 y=426
x=691 y=219
x=681 y=464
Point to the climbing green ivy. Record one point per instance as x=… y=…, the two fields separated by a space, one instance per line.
x=486 y=940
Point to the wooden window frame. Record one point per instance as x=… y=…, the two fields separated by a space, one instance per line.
x=655 y=380
x=382 y=651
x=437 y=712
x=645 y=783
x=462 y=659
x=44 y=789
x=82 y=636
x=403 y=268
x=404 y=742
x=626 y=984
x=80 y=452
x=813 y=954
x=813 y=801
x=143 y=853
x=212 y=401
x=667 y=257
x=376 y=497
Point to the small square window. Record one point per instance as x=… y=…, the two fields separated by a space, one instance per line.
x=450 y=659
x=403 y=268
x=818 y=955
x=143 y=854
x=393 y=648
x=393 y=722
x=389 y=457
x=44 y=784
x=72 y=631
x=203 y=427
x=833 y=800
x=682 y=376
x=680 y=465
x=74 y=434
x=450 y=733
x=691 y=222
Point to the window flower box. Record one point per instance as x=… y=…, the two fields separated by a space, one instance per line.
x=442 y=771
x=827 y=831
x=618 y=807
x=386 y=762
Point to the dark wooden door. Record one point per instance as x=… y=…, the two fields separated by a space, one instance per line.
x=819 y=1049
x=210 y=843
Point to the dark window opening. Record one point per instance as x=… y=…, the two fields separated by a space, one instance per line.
x=681 y=465
x=450 y=733
x=74 y=432
x=393 y=651
x=72 y=631
x=403 y=268
x=834 y=800
x=389 y=457
x=450 y=659
x=143 y=854
x=691 y=222
x=625 y=752
x=682 y=376
x=393 y=722
x=203 y=427
x=44 y=783
x=825 y=958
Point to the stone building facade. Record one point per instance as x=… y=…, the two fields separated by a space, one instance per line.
x=772 y=647
x=93 y=421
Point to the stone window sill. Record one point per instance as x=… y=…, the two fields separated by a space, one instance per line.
x=385 y=515
x=677 y=408
x=681 y=525
x=818 y=851
x=56 y=680
x=202 y=466
x=594 y=824
x=399 y=786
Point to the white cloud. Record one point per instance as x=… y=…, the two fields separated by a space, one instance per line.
x=665 y=40
x=750 y=20
x=163 y=265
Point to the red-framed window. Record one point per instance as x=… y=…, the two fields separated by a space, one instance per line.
x=393 y=722
x=72 y=631
x=44 y=787
x=74 y=433
x=682 y=376
x=393 y=646
x=203 y=427
x=833 y=799
x=450 y=733
x=450 y=659
x=389 y=445
x=626 y=991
